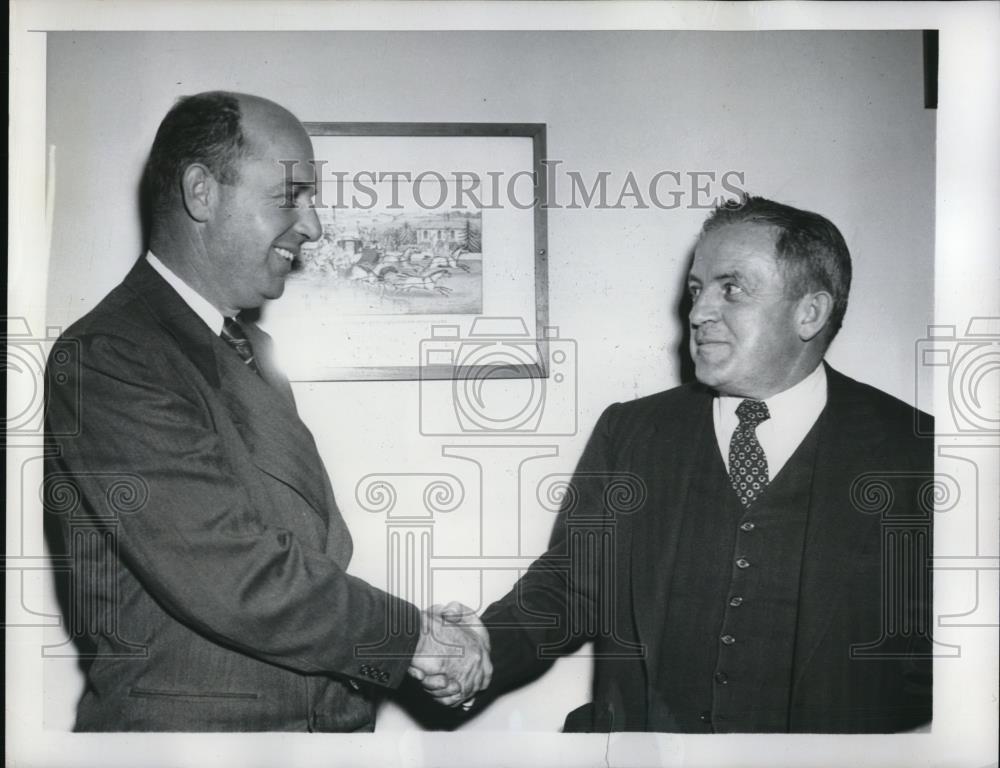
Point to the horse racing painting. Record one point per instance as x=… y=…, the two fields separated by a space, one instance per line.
x=409 y=215
x=385 y=261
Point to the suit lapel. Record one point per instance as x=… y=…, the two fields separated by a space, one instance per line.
x=263 y=411
x=667 y=464
x=171 y=311
x=280 y=444
x=835 y=530
x=264 y=355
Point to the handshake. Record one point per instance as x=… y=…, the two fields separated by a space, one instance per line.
x=452 y=659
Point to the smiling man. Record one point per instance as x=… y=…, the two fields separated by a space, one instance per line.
x=718 y=545
x=210 y=589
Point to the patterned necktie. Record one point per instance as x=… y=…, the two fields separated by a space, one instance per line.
x=233 y=335
x=747 y=462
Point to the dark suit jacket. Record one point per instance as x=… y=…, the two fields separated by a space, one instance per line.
x=869 y=472
x=209 y=585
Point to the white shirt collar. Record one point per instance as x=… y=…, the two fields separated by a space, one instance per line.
x=793 y=413
x=201 y=306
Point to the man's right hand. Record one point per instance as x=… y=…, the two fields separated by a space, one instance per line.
x=452 y=660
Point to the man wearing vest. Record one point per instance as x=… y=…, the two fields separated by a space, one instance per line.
x=720 y=545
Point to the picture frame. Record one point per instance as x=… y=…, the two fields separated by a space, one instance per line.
x=433 y=257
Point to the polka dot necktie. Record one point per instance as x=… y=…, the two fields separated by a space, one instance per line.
x=747 y=462
x=234 y=335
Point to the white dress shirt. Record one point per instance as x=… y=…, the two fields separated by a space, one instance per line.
x=202 y=307
x=793 y=413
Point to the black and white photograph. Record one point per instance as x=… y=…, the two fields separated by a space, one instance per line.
x=500 y=384
x=387 y=264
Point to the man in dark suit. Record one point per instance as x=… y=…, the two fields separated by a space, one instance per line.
x=749 y=552
x=209 y=557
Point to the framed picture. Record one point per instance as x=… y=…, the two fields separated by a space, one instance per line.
x=432 y=262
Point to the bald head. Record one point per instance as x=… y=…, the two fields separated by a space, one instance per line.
x=215 y=129
x=263 y=120
x=230 y=180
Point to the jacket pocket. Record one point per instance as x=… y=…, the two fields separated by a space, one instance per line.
x=154 y=693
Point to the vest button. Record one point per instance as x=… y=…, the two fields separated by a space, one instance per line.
x=727 y=639
x=721 y=678
x=736 y=602
x=747 y=526
x=705 y=717
x=742 y=563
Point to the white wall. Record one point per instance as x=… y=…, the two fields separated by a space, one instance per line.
x=832 y=122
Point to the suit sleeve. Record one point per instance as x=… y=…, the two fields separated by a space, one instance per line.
x=554 y=607
x=197 y=544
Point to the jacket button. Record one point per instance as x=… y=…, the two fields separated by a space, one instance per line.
x=742 y=563
x=705 y=717
x=721 y=678
x=736 y=602
x=747 y=526
x=727 y=639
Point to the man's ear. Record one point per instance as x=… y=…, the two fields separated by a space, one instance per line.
x=199 y=190
x=813 y=313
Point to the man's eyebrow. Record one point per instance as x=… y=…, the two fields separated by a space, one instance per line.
x=294 y=186
x=733 y=274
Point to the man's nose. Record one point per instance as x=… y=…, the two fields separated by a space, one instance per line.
x=704 y=307
x=308 y=223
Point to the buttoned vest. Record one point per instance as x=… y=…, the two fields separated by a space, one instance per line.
x=729 y=638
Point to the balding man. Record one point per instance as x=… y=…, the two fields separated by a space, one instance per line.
x=221 y=600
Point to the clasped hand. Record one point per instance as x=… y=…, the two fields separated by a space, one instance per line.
x=452 y=660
